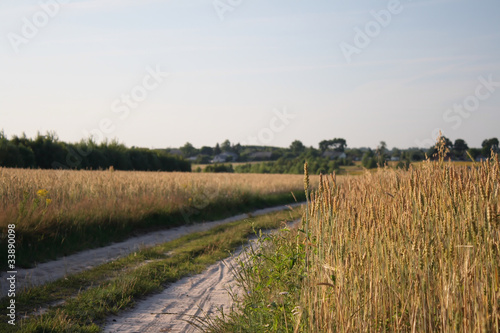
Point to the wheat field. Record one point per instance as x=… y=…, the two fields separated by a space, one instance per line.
x=415 y=251
x=393 y=250
x=74 y=193
x=103 y=206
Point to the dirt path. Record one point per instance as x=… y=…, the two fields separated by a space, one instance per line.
x=168 y=311
x=78 y=262
x=200 y=295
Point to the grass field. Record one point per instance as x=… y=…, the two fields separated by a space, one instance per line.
x=59 y=212
x=390 y=251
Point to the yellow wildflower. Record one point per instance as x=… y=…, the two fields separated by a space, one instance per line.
x=42 y=193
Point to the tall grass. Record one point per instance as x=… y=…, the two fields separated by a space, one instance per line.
x=395 y=251
x=406 y=251
x=58 y=212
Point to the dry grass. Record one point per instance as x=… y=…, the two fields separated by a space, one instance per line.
x=387 y=251
x=415 y=251
x=73 y=193
x=45 y=204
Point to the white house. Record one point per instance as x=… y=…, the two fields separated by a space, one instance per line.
x=225 y=157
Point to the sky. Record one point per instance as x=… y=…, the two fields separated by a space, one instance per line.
x=160 y=73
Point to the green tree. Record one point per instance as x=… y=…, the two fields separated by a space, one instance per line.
x=297 y=147
x=416 y=155
x=354 y=153
x=337 y=144
x=9 y=155
x=188 y=150
x=217 y=149
x=368 y=161
x=448 y=145
x=489 y=145
x=382 y=150
x=48 y=151
x=226 y=146
x=237 y=148
x=459 y=148
x=205 y=150
x=474 y=152
x=395 y=152
x=27 y=156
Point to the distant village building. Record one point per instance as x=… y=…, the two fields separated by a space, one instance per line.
x=395 y=158
x=225 y=157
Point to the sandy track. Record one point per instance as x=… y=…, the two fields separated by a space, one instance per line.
x=78 y=262
x=198 y=295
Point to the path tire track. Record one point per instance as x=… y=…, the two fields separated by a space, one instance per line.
x=201 y=295
x=170 y=310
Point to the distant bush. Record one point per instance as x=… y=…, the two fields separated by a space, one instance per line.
x=219 y=168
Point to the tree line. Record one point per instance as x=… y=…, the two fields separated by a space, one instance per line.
x=457 y=151
x=321 y=159
x=48 y=152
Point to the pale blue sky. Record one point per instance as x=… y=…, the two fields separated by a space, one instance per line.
x=228 y=78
